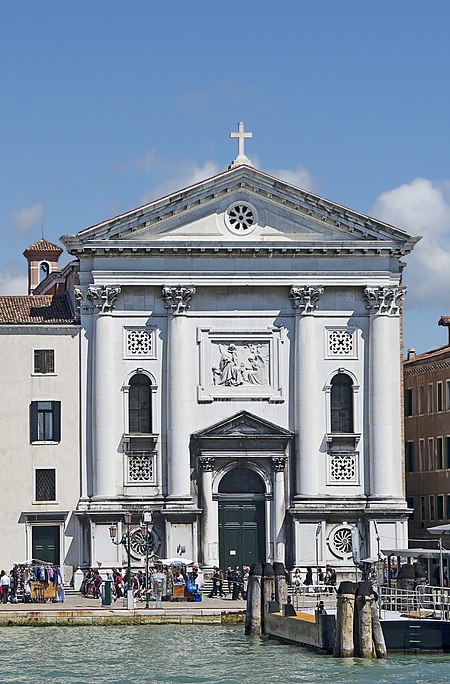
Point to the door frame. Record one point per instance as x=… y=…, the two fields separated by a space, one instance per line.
x=243 y=499
x=29 y=538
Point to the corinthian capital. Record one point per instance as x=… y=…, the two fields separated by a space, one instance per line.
x=279 y=463
x=305 y=299
x=177 y=300
x=103 y=297
x=384 y=300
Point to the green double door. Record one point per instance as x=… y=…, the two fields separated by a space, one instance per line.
x=45 y=543
x=241 y=533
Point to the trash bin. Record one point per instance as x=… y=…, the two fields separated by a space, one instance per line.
x=106 y=593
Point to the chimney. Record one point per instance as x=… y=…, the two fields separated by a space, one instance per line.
x=42 y=259
x=411 y=354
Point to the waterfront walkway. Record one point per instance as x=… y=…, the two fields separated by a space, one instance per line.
x=78 y=610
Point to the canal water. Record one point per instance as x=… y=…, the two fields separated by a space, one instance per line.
x=190 y=654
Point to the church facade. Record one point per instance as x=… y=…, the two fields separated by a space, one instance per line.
x=240 y=377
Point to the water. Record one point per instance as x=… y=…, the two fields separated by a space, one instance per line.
x=190 y=654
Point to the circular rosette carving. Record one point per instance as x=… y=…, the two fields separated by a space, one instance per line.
x=138 y=543
x=340 y=541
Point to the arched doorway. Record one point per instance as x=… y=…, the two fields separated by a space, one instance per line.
x=242 y=519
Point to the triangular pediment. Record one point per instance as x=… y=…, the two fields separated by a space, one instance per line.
x=200 y=215
x=244 y=424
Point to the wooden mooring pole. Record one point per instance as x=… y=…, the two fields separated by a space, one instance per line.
x=254 y=598
x=281 y=587
x=343 y=644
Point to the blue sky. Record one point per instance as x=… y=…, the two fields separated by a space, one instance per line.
x=105 y=105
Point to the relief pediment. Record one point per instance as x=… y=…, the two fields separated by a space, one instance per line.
x=244 y=424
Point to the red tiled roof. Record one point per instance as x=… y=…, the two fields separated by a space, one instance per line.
x=432 y=354
x=35 y=309
x=43 y=246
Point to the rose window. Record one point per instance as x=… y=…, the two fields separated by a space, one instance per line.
x=341 y=541
x=241 y=218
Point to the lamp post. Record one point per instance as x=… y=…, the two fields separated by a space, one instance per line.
x=126 y=541
x=146 y=529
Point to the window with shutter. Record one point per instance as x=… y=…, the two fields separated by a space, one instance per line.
x=44 y=361
x=341 y=403
x=140 y=407
x=45 y=421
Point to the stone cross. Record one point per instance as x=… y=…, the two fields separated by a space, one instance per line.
x=240 y=134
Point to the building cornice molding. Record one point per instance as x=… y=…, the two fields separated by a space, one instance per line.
x=424 y=368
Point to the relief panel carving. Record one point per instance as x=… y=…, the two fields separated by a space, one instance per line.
x=341 y=342
x=240 y=364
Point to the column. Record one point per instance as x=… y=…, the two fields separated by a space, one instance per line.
x=279 y=508
x=180 y=390
x=105 y=440
x=210 y=518
x=84 y=310
x=308 y=418
x=384 y=390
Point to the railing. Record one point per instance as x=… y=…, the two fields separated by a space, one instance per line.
x=422 y=602
x=309 y=596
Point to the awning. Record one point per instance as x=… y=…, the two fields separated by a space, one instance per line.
x=417 y=553
x=439 y=529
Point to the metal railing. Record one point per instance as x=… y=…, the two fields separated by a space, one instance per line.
x=422 y=602
x=308 y=597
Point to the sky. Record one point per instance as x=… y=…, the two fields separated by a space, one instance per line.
x=106 y=105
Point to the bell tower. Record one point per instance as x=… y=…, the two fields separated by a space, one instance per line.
x=42 y=259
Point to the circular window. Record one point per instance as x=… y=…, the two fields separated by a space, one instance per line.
x=241 y=218
x=341 y=541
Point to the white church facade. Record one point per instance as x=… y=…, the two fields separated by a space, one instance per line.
x=239 y=362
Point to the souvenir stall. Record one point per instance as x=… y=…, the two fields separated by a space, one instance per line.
x=38 y=582
x=181 y=585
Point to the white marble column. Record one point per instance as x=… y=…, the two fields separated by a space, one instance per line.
x=384 y=390
x=104 y=435
x=308 y=417
x=180 y=390
x=279 y=508
x=210 y=515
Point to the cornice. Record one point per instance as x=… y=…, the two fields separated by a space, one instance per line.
x=343 y=248
x=254 y=183
x=425 y=368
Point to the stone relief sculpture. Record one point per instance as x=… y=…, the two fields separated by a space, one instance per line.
x=244 y=364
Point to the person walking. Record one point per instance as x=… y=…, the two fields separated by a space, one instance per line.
x=215 y=581
x=4 y=583
x=308 y=582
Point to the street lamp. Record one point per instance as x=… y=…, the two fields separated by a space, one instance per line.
x=146 y=530
x=126 y=541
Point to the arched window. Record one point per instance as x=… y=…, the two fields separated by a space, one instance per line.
x=241 y=480
x=44 y=271
x=140 y=404
x=341 y=403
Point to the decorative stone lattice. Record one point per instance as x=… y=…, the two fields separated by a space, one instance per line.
x=140 y=467
x=342 y=541
x=343 y=467
x=340 y=343
x=139 y=343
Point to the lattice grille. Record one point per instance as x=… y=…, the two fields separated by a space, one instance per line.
x=139 y=342
x=141 y=467
x=340 y=343
x=45 y=484
x=343 y=467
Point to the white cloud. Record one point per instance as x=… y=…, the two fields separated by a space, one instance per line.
x=13 y=280
x=23 y=220
x=422 y=207
x=188 y=173
x=300 y=177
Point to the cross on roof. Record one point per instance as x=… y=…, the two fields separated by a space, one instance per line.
x=240 y=134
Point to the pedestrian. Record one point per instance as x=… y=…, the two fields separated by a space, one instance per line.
x=229 y=578
x=215 y=581
x=308 y=582
x=97 y=583
x=220 y=584
x=4 y=583
x=297 y=581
